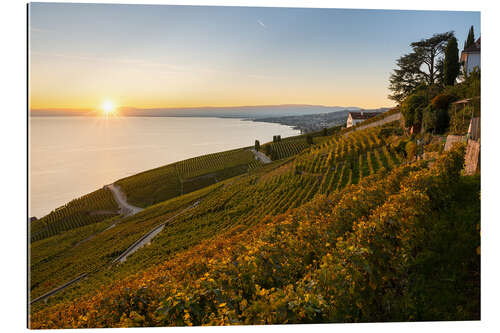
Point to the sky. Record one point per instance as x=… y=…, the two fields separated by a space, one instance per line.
x=154 y=56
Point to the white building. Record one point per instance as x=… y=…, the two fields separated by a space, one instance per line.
x=356 y=117
x=471 y=57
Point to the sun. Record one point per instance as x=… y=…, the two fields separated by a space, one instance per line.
x=108 y=107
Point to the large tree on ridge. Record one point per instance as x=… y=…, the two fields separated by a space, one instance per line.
x=419 y=66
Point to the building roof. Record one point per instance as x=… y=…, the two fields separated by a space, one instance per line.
x=363 y=114
x=476 y=47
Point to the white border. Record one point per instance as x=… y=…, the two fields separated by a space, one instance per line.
x=13 y=138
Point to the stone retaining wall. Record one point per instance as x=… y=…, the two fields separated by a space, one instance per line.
x=451 y=140
x=472 y=157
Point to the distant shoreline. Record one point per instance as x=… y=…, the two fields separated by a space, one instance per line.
x=241 y=112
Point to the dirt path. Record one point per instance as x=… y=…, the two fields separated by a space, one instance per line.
x=149 y=236
x=126 y=209
x=261 y=156
x=58 y=289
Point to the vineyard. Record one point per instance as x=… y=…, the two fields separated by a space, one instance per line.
x=237 y=203
x=286 y=148
x=160 y=184
x=201 y=165
x=61 y=258
x=88 y=209
x=340 y=228
x=371 y=239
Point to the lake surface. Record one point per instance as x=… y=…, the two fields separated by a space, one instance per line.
x=72 y=156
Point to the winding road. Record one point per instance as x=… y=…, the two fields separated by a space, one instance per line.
x=261 y=156
x=149 y=236
x=126 y=209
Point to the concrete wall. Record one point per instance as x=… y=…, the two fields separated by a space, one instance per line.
x=451 y=140
x=475 y=129
x=388 y=119
x=473 y=60
x=472 y=157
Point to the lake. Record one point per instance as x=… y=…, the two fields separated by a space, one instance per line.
x=72 y=156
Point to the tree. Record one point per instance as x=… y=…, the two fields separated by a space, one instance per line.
x=451 y=63
x=420 y=66
x=257 y=145
x=440 y=72
x=325 y=131
x=268 y=149
x=405 y=78
x=470 y=38
x=309 y=139
x=429 y=50
x=412 y=108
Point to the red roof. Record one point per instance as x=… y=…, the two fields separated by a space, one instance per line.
x=363 y=115
x=476 y=47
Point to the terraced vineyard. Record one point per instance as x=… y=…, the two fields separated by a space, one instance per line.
x=287 y=148
x=235 y=204
x=252 y=231
x=61 y=258
x=202 y=165
x=160 y=184
x=88 y=209
x=234 y=259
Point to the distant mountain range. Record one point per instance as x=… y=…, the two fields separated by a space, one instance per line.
x=249 y=112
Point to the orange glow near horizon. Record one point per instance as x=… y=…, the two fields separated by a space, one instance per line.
x=108 y=108
x=66 y=84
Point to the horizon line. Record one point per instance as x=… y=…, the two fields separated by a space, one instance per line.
x=202 y=107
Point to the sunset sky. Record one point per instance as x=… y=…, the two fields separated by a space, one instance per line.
x=183 y=56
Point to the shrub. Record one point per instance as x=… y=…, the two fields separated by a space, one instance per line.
x=268 y=149
x=387 y=131
x=412 y=108
x=442 y=120
x=411 y=150
x=309 y=139
x=435 y=120
x=429 y=119
x=442 y=101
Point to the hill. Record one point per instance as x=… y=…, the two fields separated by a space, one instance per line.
x=346 y=228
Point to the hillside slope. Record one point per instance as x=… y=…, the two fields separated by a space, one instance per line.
x=345 y=229
x=237 y=202
x=371 y=252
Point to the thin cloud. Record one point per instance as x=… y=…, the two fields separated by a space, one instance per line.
x=262 y=24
